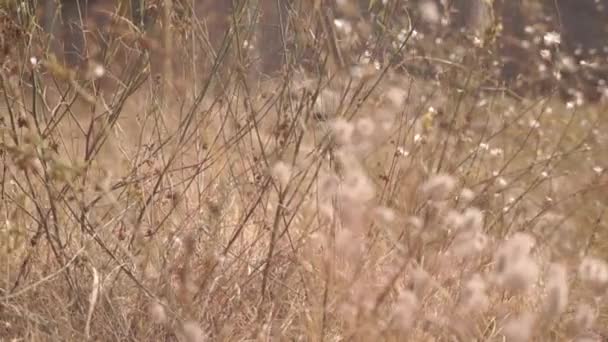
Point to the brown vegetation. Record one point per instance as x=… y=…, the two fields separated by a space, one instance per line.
x=376 y=179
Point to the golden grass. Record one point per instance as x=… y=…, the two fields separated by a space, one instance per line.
x=353 y=204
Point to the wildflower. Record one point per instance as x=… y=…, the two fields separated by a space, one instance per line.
x=501 y=182
x=385 y=214
x=545 y=54
x=396 y=96
x=282 y=172
x=439 y=186
x=515 y=271
x=193 y=332
x=473 y=219
x=99 y=71
x=342 y=131
x=466 y=195
x=473 y=296
x=552 y=38
x=157 y=313
x=519 y=329
x=468 y=243
x=594 y=273
x=420 y=281
x=534 y=124
x=404 y=315
x=357 y=186
x=429 y=11
x=598 y=169
x=343 y=26
x=496 y=152
x=365 y=127
x=402 y=151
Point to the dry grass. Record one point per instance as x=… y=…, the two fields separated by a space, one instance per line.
x=338 y=202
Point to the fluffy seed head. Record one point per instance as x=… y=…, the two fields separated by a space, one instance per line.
x=519 y=329
x=404 y=315
x=282 y=172
x=515 y=270
x=438 y=187
x=473 y=297
x=193 y=332
x=157 y=313
x=594 y=274
x=342 y=131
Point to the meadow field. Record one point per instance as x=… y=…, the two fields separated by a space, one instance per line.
x=386 y=183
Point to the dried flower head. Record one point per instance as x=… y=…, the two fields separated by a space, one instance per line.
x=282 y=172
x=515 y=270
x=552 y=38
x=193 y=332
x=594 y=274
x=473 y=297
x=519 y=329
x=342 y=131
x=357 y=186
x=468 y=243
x=157 y=313
x=404 y=314
x=438 y=187
x=365 y=127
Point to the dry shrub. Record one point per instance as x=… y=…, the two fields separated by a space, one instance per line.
x=338 y=202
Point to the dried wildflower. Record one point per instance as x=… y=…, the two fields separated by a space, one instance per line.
x=347 y=244
x=343 y=26
x=545 y=54
x=472 y=219
x=429 y=11
x=501 y=182
x=557 y=291
x=365 y=127
x=357 y=186
x=404 y=314
x=396 y=96
x=385 y=214
x=473 y=297
x=496 y=152
x=157 y=313
x=552 y=38
x=515 y=271
x=468 y=243
x=519 y=329
x=402 y=152
x=420 y=281
x=453 y=220
x=439 y=187
x=594 y=274
x=342 y=131
x=282 y=172
x=598 y=169
x=466 y=196
x=193 y=332
x=327 y=102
